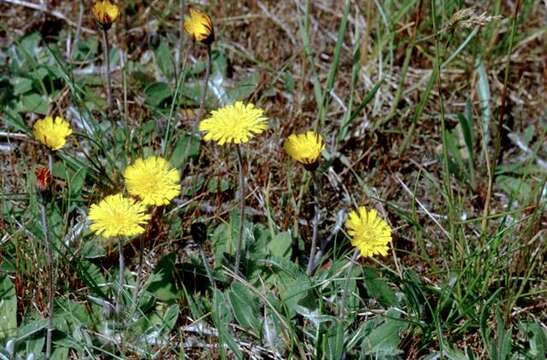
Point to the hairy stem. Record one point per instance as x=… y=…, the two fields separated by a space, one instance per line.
x=204 y=90
x=108 y=74
x=315 y=222
x=50 y=290
x=241 y=208
x=121 y=263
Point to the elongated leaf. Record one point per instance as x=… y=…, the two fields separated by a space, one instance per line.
x=483 y=90
x=8 y=308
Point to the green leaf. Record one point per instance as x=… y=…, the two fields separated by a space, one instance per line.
x=76 y=182
x=8 y=308
x=467 y=130
x=15 y=120
x=218 y=184
x=384 y=340
x=165 y=61
x=483 y=89
x=244 y=88
x=378 y=288
x=221 y=318
x=188 y=146
x=517 y=188
x=33 y=103
x=21 y=85
x=161 y=283
x=537 y=338
x=91 y=275
x=281 y=245
x=92 y=249
x=245 y=307
x=157 y=94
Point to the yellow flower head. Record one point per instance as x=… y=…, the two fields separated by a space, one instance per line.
x=153 y=181
x=52 y=133
x=369 y=233
x=116 y=215
x=305 y=148
x=105 y=13
x=236 y=123
x=199 y=26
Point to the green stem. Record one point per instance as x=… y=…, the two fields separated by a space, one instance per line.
x=121 y=263
x=49 y=254
x=50 y=292
x=316 y=218
x=241 y=209
x=108 y=75
x=204 y=90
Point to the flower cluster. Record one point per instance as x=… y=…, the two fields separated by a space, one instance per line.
x=153 y=181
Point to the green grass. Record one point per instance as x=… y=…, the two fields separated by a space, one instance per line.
x=432 y=114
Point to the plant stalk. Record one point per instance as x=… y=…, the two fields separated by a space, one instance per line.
x=241 y=209
x=49 y=255
x=121 y=263
x=50 y=290
x=204 y=90
x=108 y=74
x=315 y=222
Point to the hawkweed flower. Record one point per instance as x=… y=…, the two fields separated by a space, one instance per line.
x=116 y=215
x=153 y=180
x=369 y=233
x=52 y=132
x=236 y=123
x=105 y=13
x=199 y=26
x=305 y=148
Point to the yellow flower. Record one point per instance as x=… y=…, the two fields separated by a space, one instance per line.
x=199 y=26
x=153 y=181
x=105 y=13
x=116 y=215
x=52 y=133
x=305 y=148
x=369 y=233
x=236 y=123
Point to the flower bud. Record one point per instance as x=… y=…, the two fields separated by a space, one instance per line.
x=105 y=13
x=199 y=232
x=43 y=178
x=199 y=26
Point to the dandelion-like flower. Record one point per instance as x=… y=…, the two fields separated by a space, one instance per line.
x=52 y=132
x=199 y=26
x=153 y=181
x=236 y=123
x=369 y=233
x=105 y=13
x=116 y=215
x=305 y=148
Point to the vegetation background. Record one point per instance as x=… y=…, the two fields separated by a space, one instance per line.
x=433 y=113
